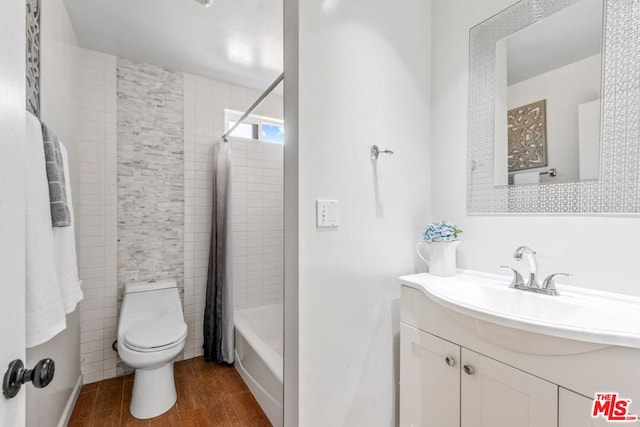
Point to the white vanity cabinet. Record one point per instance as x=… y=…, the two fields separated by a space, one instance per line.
x=575 y=411
x=429 y=380
x=466 y=369
x=445 y=385
x=494 y=394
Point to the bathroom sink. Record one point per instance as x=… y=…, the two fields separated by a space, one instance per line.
x=575 y=321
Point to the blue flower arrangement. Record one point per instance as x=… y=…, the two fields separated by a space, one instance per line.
x=441 y=231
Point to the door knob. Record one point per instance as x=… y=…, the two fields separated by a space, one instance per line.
x=468 y=369
x=450 y=361
x=40 y=376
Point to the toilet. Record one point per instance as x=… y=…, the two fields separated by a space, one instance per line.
x=151 y=334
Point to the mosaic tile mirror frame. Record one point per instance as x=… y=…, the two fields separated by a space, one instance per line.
x=33 y=56
x=617 y=191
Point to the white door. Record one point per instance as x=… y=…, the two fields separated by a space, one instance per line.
x=498 y=395
x=12 y=168
x=429 y=380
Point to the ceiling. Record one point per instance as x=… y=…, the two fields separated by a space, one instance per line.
x=563 y=38
x=237 y=41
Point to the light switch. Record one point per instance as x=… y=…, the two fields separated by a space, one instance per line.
x=327 y=213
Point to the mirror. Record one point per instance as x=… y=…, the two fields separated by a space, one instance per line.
x=547 y=99
x=594 y=158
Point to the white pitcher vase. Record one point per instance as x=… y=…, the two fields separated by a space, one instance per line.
x=440 y=256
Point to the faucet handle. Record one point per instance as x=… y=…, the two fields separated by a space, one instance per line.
x=550 y=284
x=517 y=277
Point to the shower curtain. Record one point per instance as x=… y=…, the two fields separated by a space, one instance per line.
x=218 y=314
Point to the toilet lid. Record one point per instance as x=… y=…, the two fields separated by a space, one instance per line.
x=153 y=334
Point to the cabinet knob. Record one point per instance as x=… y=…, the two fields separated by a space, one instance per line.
x=450 y=361
x=468 y=369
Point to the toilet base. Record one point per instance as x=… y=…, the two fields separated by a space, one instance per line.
x=154 y=391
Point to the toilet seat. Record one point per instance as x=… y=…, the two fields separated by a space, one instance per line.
x=155 y=334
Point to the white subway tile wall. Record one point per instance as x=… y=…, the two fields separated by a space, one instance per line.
x=96 y=216
x=257 y=207
x=257 y=223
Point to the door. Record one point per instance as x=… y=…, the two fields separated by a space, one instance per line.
x=498 y=395
x=12 y=167
x=429 y=380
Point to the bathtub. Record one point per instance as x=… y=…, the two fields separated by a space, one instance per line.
x=259 y=346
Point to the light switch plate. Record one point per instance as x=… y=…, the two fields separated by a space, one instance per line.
x=327 y=213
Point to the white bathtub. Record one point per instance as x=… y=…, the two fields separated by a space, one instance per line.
x=259 y=347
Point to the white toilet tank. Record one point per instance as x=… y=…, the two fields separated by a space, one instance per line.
x=145 y=300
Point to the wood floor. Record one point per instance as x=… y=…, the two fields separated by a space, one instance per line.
x=208 y=395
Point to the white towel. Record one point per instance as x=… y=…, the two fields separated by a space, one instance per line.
x=526 y=178
x=45 y=316
x=64 y=240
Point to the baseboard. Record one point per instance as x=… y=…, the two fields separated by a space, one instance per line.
x=68 y=410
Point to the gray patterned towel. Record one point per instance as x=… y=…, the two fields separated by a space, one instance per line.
x=60 y=215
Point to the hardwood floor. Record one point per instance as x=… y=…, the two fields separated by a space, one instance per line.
x=208 y=395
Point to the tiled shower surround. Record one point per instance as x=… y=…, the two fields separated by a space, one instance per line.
x=145 y=196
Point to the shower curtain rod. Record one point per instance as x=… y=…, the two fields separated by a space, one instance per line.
x=253 y=107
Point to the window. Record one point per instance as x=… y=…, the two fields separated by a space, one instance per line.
x=259 y=128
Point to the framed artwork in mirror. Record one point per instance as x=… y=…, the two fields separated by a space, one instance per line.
x=527 y=136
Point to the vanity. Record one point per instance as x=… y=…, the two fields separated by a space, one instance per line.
x=476 y=353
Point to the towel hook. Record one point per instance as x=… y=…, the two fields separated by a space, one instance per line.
x=376 y=151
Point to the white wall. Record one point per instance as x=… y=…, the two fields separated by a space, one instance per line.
x=597 y=250
x=363 y=79
x=58 y=109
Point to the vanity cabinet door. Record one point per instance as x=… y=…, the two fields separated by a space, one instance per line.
x=575 y=411
x=429 y=380
x=498 y=395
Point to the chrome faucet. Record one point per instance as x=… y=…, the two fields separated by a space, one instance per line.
x=548 y=286
x=533 y=264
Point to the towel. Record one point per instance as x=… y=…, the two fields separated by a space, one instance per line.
x=60 y=215
x=45 y=316
x=520 y=178
x=64 y=241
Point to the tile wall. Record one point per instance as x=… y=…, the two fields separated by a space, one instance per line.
x=96 y=215
x=256 y=206
x=257 y=215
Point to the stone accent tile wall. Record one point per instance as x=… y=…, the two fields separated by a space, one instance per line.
x=151 y=191
x=96 y=200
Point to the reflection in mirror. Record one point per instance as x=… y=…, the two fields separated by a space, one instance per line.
x=548 y=99
x=616 y=188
